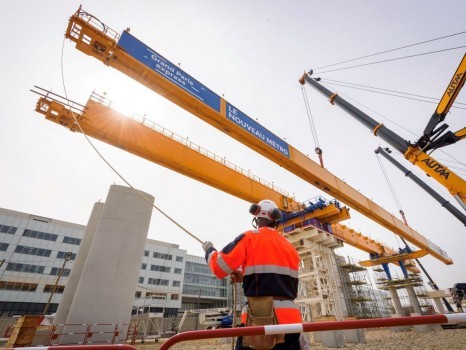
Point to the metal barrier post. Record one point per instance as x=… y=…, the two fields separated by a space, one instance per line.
x=88 y=334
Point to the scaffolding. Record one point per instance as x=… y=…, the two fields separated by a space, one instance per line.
x=362 y=300
x=403 y=285
x=319 y=293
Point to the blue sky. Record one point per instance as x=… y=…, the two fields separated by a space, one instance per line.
x=252 y=53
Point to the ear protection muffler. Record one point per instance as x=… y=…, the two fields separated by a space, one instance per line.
x=273 y=214
x=254 y=209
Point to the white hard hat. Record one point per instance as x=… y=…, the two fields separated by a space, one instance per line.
x=266 y=209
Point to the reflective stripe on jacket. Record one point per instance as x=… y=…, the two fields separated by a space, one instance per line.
x=269 y=263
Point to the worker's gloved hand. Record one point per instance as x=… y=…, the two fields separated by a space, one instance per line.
x=236 y=276
x=207 y=245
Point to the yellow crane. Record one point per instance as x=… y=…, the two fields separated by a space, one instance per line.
x=433 y=137
x=148 y=140
x=135 y=59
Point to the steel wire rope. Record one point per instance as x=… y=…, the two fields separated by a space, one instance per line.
x=391 y=50
x=376 y=88
x=395 y=93
x=233 y=322
x=391 y=121
x=392 y=59
x=310 y=118
x=392 y=190
x=108 y=163
x=395 y=197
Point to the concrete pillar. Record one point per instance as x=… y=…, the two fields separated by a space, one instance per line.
x=422 y=328
x=400 y=328
x=78 y=265
x=332 y=339
x=399 y=312
x=413 y=300
x=439 y=305
x=355 y=336
x=396 y=301
x=109 y=278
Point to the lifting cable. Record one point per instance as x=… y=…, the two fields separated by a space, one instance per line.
x=235 y=302
x=391 y=50
x=393 y=59
x=108 y=163
x=431 y=281
x=392 y=190
x=388 y=92
x=318 y=150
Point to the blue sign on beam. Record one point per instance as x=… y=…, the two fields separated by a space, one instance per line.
x=164 y=67
x=257 y=130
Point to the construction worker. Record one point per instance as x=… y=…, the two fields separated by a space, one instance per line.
x=267 y=264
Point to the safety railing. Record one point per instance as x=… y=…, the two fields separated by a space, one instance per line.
x=83 y=333
x=313 y=327
x=80 y=347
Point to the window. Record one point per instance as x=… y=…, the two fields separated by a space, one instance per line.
x=162 y=256
x=18 y=286
x=198 y=268
x=174 y=297
x=158 y=282
x=40 y=235
x=3 y=247
x=49 y=288
x=55 y=271
x=8 y=229
x=63 y=255
x=32 y=251
x=178 y=271
x=176 y=283
x=141 y=280
x=179 y=258
x=71 y=240
x=25 y=268
x=199 y=279
x=143 y=266
x=146 y=253
x=156 y=295
x=160 y=268
x=137 y=294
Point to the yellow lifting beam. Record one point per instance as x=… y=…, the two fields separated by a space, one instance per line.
x=394 y=258
x=97 y=40
x=146 y=139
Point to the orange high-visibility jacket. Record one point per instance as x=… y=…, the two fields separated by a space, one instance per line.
x=270 y=268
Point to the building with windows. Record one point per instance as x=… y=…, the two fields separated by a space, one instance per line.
x=201 y=289
x=33 y=251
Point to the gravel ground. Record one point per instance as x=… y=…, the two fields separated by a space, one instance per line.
x=451 y=339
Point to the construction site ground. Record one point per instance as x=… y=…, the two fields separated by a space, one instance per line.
x=380 y=339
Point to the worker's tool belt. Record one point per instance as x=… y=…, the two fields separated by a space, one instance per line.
x=261 y=313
